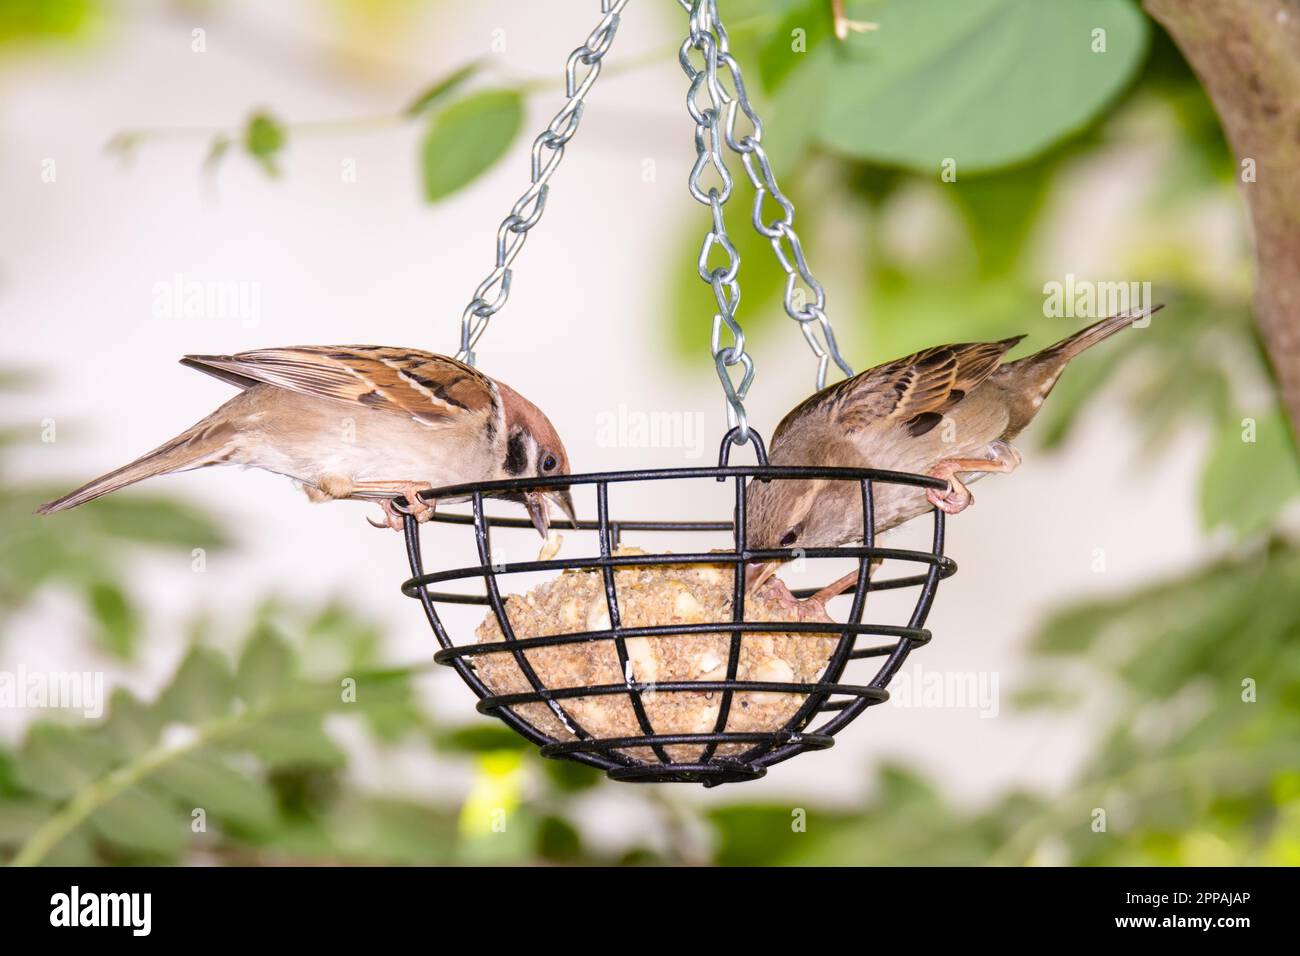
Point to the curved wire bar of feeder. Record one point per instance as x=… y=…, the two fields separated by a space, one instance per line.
x=766 y=747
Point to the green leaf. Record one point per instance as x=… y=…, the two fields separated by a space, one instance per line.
x=442 y=88
x=57 y=761
x=200 y=781
x=1075 y=630
x=482 y=738
x=569 y=776
x=756 y=835
x=791 y=120
x=1251 y=476
x=390 y=831
x=987 y=83
x=75 y=849
x=18 y=818
x=117 y=622
x=289 y=741
x=1001 y=211
x=390 y=707
x=266 y=667
x=906 y=316
x=464 y=140
x=154 y=520
x=264 y=138
x=131 y=727
x=139 y=820
x=803 y=30
x=558 y=840
x=201 y=690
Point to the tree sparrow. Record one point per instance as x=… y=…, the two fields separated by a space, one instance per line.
x=360 y=421
x=946 y=411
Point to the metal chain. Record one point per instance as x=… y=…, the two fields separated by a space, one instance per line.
x=715 y=126
x=723 y=278
x=492 y=292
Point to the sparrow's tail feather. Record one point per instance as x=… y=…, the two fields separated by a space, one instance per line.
x=1028 y=381
x=207 y=443
x=1085 y=339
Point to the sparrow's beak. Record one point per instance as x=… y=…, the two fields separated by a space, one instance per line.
x=535 y=502
x=562 y=498
x=756 y=574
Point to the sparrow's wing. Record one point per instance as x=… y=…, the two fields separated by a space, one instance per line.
x=916 y=390
x=432 y=389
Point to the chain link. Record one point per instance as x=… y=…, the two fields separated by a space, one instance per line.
x=716 y=128
x=548 y=150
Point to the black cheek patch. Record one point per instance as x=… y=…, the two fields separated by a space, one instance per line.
x=516 y=454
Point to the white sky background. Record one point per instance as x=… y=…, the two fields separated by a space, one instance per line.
x=370 y=262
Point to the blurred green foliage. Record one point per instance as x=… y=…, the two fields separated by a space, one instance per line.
x=1200 y=758
x=81 y=553
x=988 y=83
x=225 y=748
x=27 y=20
x=264 y=137
x=1193 y=682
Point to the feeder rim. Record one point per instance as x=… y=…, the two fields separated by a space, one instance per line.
x=812 y=741
x=494 y=488
x=945 y=564
x=917 y=635
x=492 y=702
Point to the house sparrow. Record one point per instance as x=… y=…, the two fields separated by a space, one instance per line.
x=946 y=411
x=360 y=421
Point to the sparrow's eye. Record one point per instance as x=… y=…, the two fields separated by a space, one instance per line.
x=549 y=463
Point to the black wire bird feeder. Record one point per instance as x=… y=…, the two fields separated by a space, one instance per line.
x=826 y=704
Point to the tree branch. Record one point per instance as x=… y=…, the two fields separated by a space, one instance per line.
x=1247 y=54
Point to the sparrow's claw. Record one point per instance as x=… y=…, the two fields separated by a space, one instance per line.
x=954 y=500
x=392 y=518
x=420 y=509
x=415 y=506
x=810 y=608
x=957 y=497
x=775 y=589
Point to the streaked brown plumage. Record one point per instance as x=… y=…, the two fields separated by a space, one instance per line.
x=359 y=421
x=946 y=411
